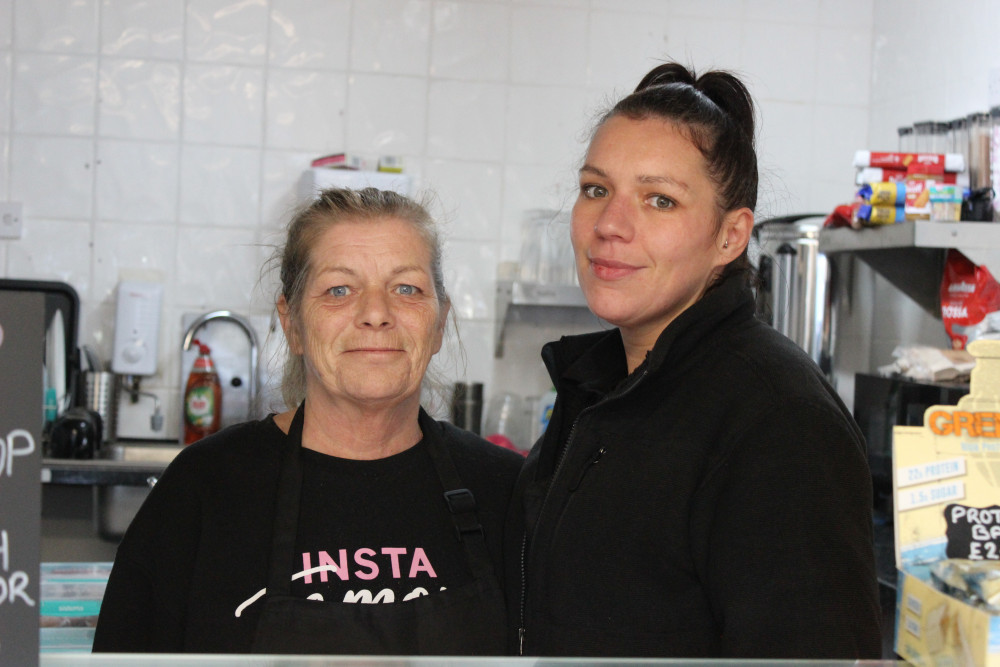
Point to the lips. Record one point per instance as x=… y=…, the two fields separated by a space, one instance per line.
x=610 y=269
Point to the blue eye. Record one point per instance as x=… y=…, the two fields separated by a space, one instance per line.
x=340 y=290
x=407 y=290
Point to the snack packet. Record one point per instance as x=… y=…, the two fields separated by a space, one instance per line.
x=969 y=294
x=977 y=582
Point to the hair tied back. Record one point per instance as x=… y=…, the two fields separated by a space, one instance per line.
x=667 y=73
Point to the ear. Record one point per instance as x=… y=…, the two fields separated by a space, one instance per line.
x=288 y=326
x=442 y=323
x=734 y=236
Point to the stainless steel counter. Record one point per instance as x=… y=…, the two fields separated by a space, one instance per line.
x=121 y=464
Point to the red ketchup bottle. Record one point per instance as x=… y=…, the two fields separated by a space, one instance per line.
x=202 y=397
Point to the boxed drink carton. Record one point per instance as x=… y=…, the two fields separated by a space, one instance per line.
x=946 y=486
x=71 y=595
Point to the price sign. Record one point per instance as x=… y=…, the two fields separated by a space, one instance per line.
x=973 y=532
x=22 y=335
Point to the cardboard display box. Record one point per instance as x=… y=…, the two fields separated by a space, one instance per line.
x=71 y=595
x=946 y=484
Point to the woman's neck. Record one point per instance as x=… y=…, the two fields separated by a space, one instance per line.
x=350 y=431
x=637 y=346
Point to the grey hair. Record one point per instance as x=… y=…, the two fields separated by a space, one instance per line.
x=310 y=221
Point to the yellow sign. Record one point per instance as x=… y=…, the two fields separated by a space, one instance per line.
x=947 y=505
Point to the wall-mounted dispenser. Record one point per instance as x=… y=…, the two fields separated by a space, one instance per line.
x=137 y=328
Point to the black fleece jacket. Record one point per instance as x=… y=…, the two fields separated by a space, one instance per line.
x=716 y=502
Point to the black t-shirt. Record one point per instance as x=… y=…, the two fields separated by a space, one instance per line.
x=349 y=517
x=198 y=550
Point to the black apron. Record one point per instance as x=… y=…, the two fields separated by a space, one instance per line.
x=462 y=620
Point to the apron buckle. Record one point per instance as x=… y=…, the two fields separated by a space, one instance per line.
x=462 y=505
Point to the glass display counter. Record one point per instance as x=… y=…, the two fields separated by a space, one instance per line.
x=132 y=660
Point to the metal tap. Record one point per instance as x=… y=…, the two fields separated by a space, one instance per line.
x=244 y=324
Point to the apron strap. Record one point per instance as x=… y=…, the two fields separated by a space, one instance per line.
x=286 y=512
x=461 y=503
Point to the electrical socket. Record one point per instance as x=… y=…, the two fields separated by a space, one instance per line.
x=11 y=225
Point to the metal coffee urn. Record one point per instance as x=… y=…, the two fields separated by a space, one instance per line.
x=795 y=291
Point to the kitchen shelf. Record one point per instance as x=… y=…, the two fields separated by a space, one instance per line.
x=99 y=473
x=121 y=465
x=912 y=234
x=513 y=294
x=911 y=255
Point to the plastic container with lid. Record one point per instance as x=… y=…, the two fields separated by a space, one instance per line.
x=995 y=160
x=906 y=139
x=923 y=137
x=940 y=138
x=979 y=150
x=958 y=131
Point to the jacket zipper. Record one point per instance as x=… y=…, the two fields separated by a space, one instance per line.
x=590 y=464
x=522 y=631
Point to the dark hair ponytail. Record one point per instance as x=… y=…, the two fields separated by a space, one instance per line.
x=717 y=112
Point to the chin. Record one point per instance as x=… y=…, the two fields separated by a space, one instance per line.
x=607 y=306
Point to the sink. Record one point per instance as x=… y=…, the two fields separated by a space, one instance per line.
x=116 y=505
x=141 y=453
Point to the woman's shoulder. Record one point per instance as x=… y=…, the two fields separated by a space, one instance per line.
x=246 y=440
x=765 y=355
x=471 y=451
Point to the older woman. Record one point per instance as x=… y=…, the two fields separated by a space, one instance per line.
x=700 y=491
x=352 y=524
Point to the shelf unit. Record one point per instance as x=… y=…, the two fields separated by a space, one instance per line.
x=911 y=255
x=124 y=463
x=513 y=294
x=96 y=472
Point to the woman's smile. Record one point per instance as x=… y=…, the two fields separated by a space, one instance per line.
x=610 y=269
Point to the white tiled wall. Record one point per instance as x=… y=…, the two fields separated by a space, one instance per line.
x=165 y=139
x=926 y=63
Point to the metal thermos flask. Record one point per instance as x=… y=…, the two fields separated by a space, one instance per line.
x=467 y=406
x=795 y=292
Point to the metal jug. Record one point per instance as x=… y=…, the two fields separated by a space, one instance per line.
x=795 y=293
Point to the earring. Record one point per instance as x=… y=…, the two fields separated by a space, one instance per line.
x=725 y=245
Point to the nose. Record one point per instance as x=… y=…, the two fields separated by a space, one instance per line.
x=614 y=220
x=374 y=310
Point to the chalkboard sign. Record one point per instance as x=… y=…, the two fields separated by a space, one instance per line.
x=22 y=336
x=973 y=532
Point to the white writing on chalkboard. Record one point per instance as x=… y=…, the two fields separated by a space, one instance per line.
x=13 y=585
x=985 y=516
x=8 y=449
x=973 y=532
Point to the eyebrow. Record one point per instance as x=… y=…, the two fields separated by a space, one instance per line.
x=641 y=178
x=399 y=270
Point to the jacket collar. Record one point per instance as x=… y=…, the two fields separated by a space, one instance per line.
x=596 y=363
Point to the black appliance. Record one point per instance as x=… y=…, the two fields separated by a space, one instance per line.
x=75 y=434
x=883 y=402
x=879 y=404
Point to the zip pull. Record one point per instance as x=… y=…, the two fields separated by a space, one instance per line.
x=520 y=641
x=583 y=472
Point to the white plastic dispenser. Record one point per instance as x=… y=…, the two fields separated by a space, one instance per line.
x=137 y=328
